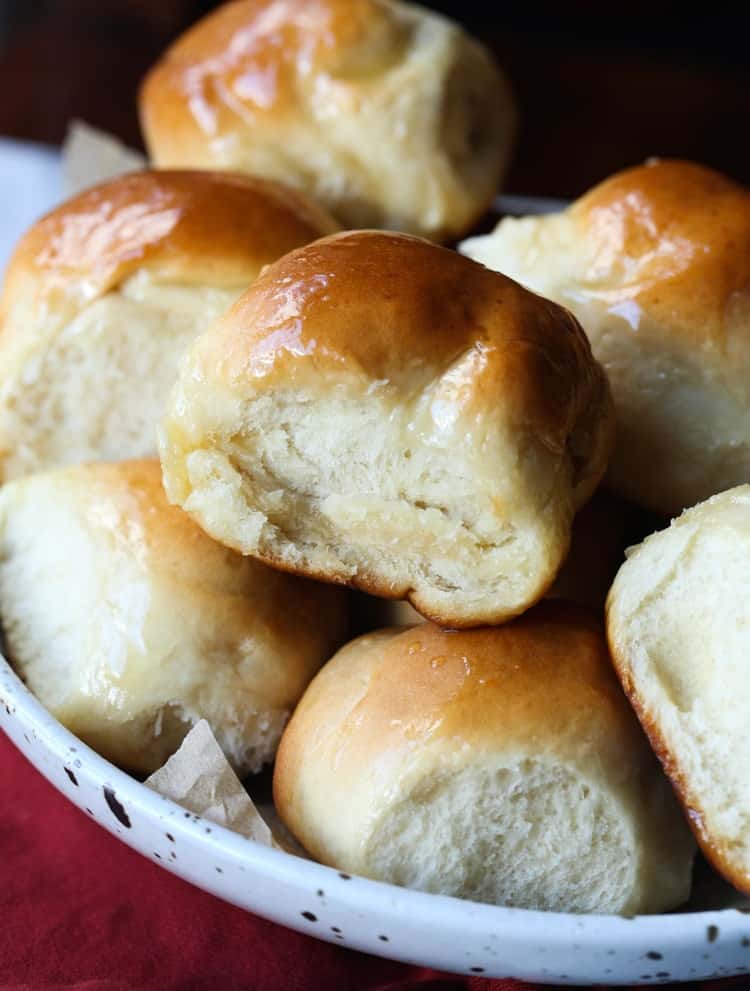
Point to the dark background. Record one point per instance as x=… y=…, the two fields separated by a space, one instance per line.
x=600 y=85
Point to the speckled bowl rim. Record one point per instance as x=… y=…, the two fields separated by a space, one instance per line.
x=671 y=933
x=712 y=939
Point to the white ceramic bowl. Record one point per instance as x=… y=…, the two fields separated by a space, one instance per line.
x=431 y=930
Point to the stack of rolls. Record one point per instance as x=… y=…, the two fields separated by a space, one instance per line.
x=366 y=409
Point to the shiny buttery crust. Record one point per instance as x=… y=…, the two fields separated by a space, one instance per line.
x=456 y=366
x=397 y=709
x=184 y=226
x=104 y=293
x=388 y=114
x=163 y=626
x=655 y=263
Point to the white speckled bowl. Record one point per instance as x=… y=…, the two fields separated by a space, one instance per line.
x=431 y=930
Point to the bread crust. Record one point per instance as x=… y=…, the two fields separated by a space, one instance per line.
x=185 y=226
x=367 y=310
x=655 y=263
x=399 y=709
x=103 y=295
x=677 y=238
x=283 y=88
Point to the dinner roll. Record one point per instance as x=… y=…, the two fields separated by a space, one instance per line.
x=677 y=621
x=129 y=624
x=596 y=552
x=655 y=263
x=502 y=765
x=104 y=294
x=382 y=412
x=390 y=115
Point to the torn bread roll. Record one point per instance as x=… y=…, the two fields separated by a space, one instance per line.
x=677 y=622
x=388 y=114
x=655 y=263
x=597 y=548
x=381 y=412
x=104 y=294
x=500 y=765
x=162 y=626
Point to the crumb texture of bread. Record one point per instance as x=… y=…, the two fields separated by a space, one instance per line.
x=129 y=624
x=380 y=412
x=597 y=548
x=387 y=113
x=655 y=263
x=500 y=765
x=679 y=632
x=104 y=294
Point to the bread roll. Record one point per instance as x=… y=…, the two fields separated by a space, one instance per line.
x=388 y=114
x=501 y=765
x=655 y=263
x=129 y=624
x=105 y=293
x=381 y=412
x=677 y=622
x=596 y=551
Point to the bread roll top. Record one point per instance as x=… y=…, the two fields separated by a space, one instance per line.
x=542 y=682
x=257 y=52
x=673 y=238
x=184 y=227
x=388 y=113
x=375 y=310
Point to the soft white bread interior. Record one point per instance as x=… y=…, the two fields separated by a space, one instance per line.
x=655 y=263
x=104 y=294
x=382 y=412
x=597 y=548
x=501 y=765
x=388 y=114
x=677 y=622
x=130 y=624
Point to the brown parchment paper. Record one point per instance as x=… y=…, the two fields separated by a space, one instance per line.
x=199 y=778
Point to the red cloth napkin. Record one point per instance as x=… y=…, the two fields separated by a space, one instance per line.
x=82 y=912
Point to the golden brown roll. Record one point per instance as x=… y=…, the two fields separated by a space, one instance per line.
x=502 y=765
x=381 y=412
x=388 y=114
x=104 y=294
x=677 y=622
x=129 y=624
x=655 y=263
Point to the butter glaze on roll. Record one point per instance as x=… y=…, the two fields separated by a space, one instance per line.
x=129 y=624
x=381 y=412
x=501 y=765
x=103 y=295
x=388 y=114
x=677 y=622
x=655 y=263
